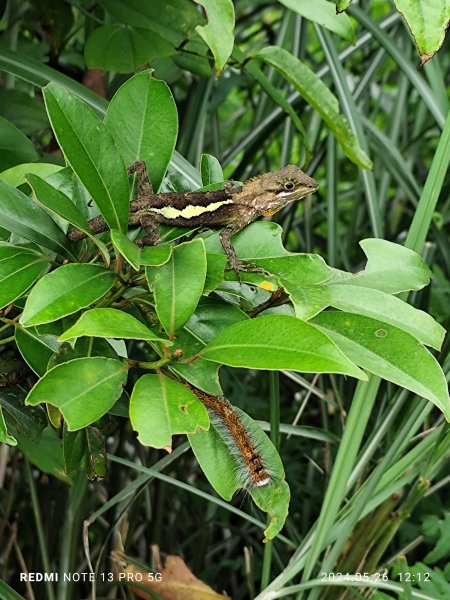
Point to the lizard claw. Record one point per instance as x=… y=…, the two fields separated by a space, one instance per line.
x=246 y=267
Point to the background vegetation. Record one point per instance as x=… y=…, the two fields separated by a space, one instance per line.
x=367 y=464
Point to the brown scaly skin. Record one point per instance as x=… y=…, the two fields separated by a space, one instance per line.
x=232 y=208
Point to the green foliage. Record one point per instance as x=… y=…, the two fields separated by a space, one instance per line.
x=99 y=335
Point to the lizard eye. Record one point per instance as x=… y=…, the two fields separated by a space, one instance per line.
x=289 y=185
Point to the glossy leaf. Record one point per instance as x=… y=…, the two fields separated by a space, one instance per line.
x=46 y=455
x=16 y=175
x=174 y=20
x=389 y=353
x=219 y=31
x=84 y=450
x=19 y=269
x=342 y=5
x=142 y=117
x=316 y=93
x=109 y=323
x=24 y=110
x=84 y=347
x=126 y=248
x=95 y=384
x=5 y=437
x=91 y=152
x=65 y=291
x=389 y=309
x=122 y=48
x=323 y=13
x=428 y=21
x=57 y=202
x=20 y=215
x=279 y=342
x=15 y=147
x=308 y=300
x=210 y=170
x=260 y=243
x=211 y=450
x=20 y=419
x=390 y=268
x=178 y=284
x=161 y=408
x=210 y=317
x=36 y=347
x=155 y=256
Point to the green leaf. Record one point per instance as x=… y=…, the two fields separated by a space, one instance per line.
x=123 y=49
x=389 y=353
x=260 y=243
x=316 y=93
x=279 y=342
x=36 y=347
x=390 y=268
x=83 y=348
x=308 y=300
x=342 y=5
x=173 y=20
x=155 y=256
x=8 y=593
x=428 y=21
x=15 y=147
x=109 y=323
x=219 y=32
x=211 y=448
x=16 y=175
x=91 y=152
x=47 y=454
x=65 y=291
x=22 y=420
x=5 y=437
x=161 y=408
x=210 y=317
x=389 y=309
x=126 y=248
x=84 y=450
x=323 y=13
x=95 y=384
x=19 y=269
x=57 y=202
x=215 y=270
x=210 y=169
x=142 y=117
x=20 y=215
x=24 y=110
x=178 y=284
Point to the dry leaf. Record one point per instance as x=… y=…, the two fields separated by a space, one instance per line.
x=173 y=581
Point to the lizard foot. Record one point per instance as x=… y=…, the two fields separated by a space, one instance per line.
x=246 y=267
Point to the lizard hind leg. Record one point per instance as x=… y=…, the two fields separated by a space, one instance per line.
x=150 y=227
x=144 y=183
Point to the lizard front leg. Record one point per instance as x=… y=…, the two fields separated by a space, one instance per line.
x=234 y=263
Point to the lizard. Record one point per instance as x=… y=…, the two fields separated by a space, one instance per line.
x=232 y=208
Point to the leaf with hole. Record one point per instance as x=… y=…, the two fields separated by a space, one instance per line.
x=161 y=408
x=389 y=353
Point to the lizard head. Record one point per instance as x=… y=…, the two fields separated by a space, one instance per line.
x=284 y=186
